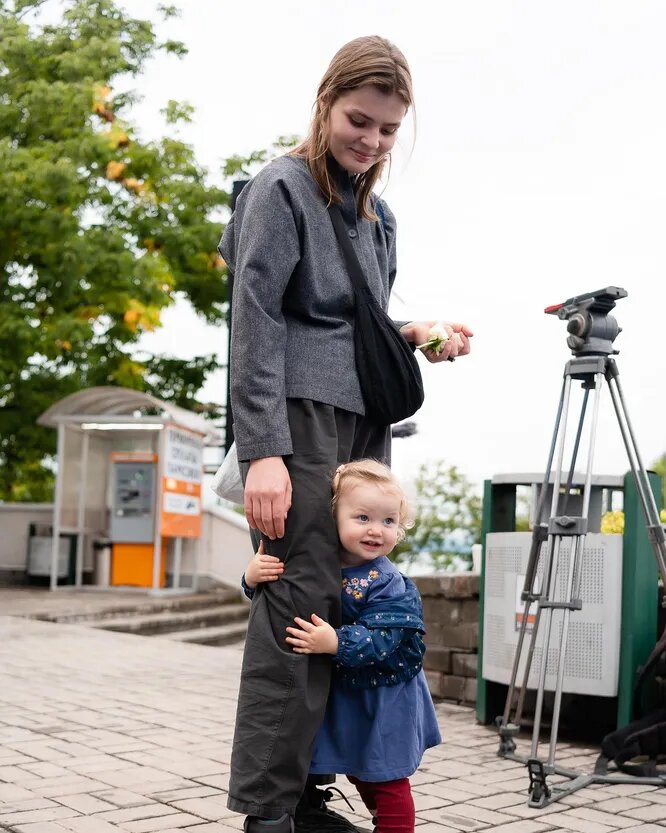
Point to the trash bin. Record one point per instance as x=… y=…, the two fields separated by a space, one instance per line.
x=102 y=554
x=613 y=633
x=40 y=544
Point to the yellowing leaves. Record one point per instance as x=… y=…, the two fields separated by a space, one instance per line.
x=117 y=137
x=140 y=188
x=101 y=93
x=135 y=185
x=138 y=316
x=101 y=105
x=115 y=170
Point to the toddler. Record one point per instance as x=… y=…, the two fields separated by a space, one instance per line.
x=380 y=717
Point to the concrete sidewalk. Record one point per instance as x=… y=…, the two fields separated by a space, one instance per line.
x=40 y=603
x=103 y=732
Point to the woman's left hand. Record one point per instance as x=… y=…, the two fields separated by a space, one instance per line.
x=456 y=345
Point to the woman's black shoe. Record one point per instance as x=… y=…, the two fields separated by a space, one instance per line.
x=253 y=824
x=313 y=816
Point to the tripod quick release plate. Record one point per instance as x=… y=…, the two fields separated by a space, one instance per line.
x=592 y=330
x=603 y=300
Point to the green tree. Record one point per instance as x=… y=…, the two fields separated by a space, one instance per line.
x=448 y=511
x=99 y=230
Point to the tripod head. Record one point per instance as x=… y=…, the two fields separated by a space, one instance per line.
x=591 y=329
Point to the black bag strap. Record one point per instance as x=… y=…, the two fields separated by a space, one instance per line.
x=354 y=268
x=643 y=735
x=644 y=670
x=640 y=737
x=649 y=742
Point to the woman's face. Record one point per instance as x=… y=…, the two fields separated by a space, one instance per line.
x=363 y=126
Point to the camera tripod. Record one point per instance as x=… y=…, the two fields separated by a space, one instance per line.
x=592 y=332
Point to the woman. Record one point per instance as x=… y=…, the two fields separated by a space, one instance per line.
x=297 y=405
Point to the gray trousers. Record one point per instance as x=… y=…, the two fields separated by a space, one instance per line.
x=283 y=695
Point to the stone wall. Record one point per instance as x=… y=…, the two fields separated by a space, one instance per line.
x=451 y=612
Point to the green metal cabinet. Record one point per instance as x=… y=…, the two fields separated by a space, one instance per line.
x=639 y=585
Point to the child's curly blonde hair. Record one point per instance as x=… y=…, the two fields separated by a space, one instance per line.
x=377 y=474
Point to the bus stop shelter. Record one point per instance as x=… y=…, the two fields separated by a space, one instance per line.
x=128 y=486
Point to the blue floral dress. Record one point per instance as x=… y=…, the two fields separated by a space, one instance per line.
x=375 y=730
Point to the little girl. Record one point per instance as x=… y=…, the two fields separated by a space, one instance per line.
x=380 y=717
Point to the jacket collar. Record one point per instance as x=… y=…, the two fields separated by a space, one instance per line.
x=345 y=185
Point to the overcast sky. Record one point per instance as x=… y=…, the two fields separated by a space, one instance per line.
x=538 y=172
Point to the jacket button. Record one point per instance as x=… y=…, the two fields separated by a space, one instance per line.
x=353 y=233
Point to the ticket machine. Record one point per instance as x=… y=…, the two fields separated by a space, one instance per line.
x=132 y=519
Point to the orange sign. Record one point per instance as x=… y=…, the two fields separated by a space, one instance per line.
x=133 y=457
x=181 y=483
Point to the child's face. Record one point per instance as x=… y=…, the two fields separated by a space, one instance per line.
x=363 y=126
x=368 y=518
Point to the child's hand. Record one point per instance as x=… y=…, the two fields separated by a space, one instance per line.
x=262 y=567
x=316 y=637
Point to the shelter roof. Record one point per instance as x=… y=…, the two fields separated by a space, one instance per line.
x=101 y=403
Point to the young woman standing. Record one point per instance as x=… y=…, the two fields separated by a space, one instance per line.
x=298 y=409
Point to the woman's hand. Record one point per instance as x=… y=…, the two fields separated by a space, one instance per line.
x=457 y=344
x=316 y=637
x=268 y=496
x=262 y=567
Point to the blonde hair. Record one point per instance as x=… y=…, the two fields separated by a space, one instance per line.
x=374 y=473
x=367 y=60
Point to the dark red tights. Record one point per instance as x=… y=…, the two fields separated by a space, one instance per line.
x=390 y=802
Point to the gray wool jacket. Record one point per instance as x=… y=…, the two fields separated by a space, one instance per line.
x=293 y=303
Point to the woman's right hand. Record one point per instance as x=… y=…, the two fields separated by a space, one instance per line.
x=267 y=496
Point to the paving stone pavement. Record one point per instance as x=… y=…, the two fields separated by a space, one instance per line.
x=105 y=732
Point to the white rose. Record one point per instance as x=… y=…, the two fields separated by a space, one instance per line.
x=437 y=336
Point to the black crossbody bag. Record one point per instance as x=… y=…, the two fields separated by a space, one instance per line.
x=387 y=369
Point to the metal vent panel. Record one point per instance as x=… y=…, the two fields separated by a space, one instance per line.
x=592 y=658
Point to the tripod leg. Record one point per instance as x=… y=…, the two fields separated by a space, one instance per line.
x=529 y=594
x=653 y=522
x=574 y=454
x=537 y=537
x=528 y=666
x=574 y=571
x=544 y=593
x=548 y=611
x=552 y=560
x=545 y=589
x=557 y=703
x=555 y=540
